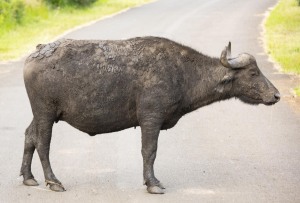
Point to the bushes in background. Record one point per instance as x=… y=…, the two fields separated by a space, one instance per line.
x=62 y=3
x=16 y=12
x=11 y=11
x=25 y=23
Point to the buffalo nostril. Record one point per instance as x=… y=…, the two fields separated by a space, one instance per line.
x=277 y=96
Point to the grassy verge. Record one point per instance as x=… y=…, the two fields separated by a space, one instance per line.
x=40 y=23
x=297 y=90
x=283 y=35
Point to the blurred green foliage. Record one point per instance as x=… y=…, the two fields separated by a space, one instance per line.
x=11 y=11
x=62 y=3
x=25 y=23
x=283 y=36
x=15 y=13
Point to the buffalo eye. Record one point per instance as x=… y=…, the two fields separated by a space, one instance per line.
x=254 y=73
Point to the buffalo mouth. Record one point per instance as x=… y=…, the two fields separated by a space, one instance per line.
x=249 y=100
x=270 y=103
x=255 y=101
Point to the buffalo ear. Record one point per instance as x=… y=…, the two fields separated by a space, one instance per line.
x=228 y=77
x=225 y=81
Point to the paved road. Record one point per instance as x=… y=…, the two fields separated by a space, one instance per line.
x=226 y=152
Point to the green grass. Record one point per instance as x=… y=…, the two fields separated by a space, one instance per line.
x=297 y=90
x=283 y=36
x=40 y=24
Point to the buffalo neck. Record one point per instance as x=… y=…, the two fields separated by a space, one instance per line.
x=203 y=82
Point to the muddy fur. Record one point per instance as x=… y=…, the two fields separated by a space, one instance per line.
x=107 y=86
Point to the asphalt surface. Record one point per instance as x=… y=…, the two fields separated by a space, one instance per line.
x=225 y=152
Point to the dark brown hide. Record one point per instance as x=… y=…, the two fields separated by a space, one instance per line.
x=107 y=86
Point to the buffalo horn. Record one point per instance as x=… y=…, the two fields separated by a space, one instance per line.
x=225 y=55
x=239 y=62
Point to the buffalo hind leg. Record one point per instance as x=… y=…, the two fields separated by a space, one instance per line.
x=150 y=133
x=43 y=146
x=28 y=178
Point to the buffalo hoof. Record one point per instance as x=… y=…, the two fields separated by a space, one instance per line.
x=56 y=187
x=155 y=190
x=30 y=182
x=161 y=186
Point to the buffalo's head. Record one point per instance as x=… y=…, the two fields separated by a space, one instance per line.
x=248 y=82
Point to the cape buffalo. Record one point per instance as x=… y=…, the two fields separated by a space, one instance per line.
x=102 y=86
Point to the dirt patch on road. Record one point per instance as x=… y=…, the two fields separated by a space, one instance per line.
x=286 y=83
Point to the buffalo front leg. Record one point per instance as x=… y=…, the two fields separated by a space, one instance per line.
x=150 y=133
x=43 y=147
x=29 y=148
